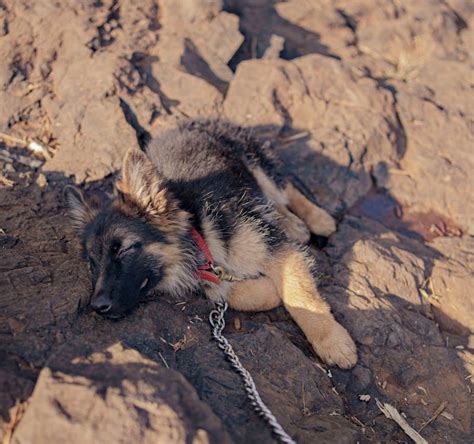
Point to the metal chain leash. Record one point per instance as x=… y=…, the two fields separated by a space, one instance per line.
x=216 y=319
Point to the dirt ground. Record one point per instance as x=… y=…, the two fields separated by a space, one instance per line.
x=369 y=101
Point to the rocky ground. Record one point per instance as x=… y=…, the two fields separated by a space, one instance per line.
x=370 y=102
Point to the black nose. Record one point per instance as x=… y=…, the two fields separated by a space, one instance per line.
x=102 y=304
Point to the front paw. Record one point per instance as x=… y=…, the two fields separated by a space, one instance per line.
x=337 y=348
x=321 y=222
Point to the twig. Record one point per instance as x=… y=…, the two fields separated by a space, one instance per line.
x=13 y=140
x=164 y=360
x=33 y=145
x=294 y=137
x=392 y=413
x=438 y=412
x=305 y=411
x=358 y=421
x=431 y=296
x=177 y=346
x=7 y=182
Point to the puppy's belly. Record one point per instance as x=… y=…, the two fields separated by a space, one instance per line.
x=248 y=251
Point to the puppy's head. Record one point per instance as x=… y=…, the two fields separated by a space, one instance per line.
x=130 y=243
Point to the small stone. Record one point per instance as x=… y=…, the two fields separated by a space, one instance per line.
x=15 y=325
x=41 y=180
x=237 y=323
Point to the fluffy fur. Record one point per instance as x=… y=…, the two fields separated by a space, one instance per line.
x=216 y=178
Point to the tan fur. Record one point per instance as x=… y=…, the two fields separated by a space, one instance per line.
x=141 y=185
x=318 y=220
x=254 y=295
x=178 y=277
x=288 y=278
x=269 y=188
x=294 y=227
x=294 y=280
x=245 y=255
x=304 y=216
x=141 y=192
x=99 y=287
x=293 y=283
x=291 y=224
x=247 y=250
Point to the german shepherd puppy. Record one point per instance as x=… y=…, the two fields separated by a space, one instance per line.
x=207 y=192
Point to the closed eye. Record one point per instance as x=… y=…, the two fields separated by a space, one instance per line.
x=129 y=249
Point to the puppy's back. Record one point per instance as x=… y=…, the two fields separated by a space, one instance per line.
x=203 y=164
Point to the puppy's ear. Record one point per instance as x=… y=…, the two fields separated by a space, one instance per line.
x=81 y=213
x=142 y=186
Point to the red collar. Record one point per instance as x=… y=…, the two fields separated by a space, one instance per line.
x=205 y=271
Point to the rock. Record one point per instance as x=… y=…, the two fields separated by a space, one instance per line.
x=14 y=389
x=451 y=277
x=10 y=105
x=114 y=394
x=396 y=40
x=41 y=180
x=213 y=30
x=194 y=95
x=91 y=110
x=376 y=294
x=330 y=26
x=350 y=122
x=431 y=147
x=190 y=75
x=221 y=36
x=200 y=39
x=89 y=119
x=191 y=11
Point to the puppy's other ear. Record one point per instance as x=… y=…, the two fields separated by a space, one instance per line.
x=81 y=213
x=142 y=186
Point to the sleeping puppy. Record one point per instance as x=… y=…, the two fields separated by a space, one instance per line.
x=207 y=206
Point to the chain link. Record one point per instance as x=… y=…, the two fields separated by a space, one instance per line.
x=216 y=319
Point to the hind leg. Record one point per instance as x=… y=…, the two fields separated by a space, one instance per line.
x=291 y=274
x=293 y=226
x=303 y=214
x=317 y=219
